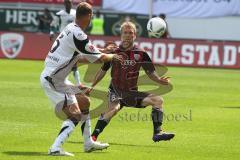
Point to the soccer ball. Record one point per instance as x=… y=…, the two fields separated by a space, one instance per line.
x=156 y=27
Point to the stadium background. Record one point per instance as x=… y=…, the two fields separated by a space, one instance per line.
x=202 y=39
x=202 y=56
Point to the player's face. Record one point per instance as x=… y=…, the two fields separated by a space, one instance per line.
x=128 y=37
x=86 y=20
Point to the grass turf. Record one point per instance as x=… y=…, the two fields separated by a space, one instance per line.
x=202 y=109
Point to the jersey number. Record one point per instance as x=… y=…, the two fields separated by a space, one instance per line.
x=57 y=45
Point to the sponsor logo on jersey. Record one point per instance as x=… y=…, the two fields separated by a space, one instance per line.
x=11 y=44
x=127 y=63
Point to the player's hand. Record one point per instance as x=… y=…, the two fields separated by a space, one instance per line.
x=164 y=80
x=110 y=48
x=87 y=91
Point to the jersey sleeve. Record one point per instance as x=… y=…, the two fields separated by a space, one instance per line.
x=83 y=45
x=147 y=64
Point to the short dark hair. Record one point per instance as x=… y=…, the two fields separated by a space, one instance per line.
x=83 y=9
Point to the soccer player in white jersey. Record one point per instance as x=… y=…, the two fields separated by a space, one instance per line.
x=71 y=45
x=60 y=21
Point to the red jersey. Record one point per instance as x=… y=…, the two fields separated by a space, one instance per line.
x=125 y=75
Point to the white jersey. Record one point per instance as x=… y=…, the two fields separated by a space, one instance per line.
x=71 y=45
x=62 y=19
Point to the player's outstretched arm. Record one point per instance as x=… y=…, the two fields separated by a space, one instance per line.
x=161 y=80
x=98 y=77
x=109 y=48
x=108 y=57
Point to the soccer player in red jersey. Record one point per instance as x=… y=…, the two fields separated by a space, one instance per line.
x=123 y=90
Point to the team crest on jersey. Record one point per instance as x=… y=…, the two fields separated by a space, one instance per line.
x=137 y=57
x=11 y=44
x=91 y=48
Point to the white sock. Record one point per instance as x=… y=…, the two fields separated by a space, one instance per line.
x=66 y=129
x=87 y=128
x=77 y=77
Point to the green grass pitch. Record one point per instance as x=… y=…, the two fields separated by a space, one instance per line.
x=203 y=110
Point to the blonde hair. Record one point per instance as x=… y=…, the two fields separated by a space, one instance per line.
x=83 y=9
x=128 y=24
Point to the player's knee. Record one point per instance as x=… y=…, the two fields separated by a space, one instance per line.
x=115 y=110
x=157 y=101
x=72 y=112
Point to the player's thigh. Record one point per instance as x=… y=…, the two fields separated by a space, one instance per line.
x=152 y=100
x=113 y=100
x=112 y=109
x=72 y=111
x=134 y=99
x=65 y=104
x=83 y=101
x=68 y=108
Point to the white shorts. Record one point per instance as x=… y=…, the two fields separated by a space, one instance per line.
x=57 y=98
